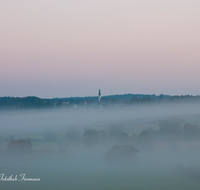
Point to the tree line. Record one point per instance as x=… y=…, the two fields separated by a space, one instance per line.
x=35 y=102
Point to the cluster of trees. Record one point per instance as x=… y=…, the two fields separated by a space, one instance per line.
x=170 y=129
x=116 y=134
x=26 y=102
x=142 y=100
x=35 y=102
x=175 y=129
x=161 y=98
x=94 y=137
x=186 y=98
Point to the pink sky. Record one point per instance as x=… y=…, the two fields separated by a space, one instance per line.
x=73 y=48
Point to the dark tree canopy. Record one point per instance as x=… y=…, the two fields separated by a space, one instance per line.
x=170 y=126
x=91 y=137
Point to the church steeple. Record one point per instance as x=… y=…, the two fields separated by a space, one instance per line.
x=99 y=96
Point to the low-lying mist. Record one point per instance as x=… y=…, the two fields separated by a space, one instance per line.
x=138 y=147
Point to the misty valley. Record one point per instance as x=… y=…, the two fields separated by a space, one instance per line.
x=148 y=146
x=99 y=95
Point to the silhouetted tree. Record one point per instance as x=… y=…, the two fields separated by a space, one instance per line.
x=161 y=97
x=171 y=128
x=90 y=137
x=59 y=103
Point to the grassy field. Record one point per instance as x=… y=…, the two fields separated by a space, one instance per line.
x=116 y=179
x=86 y=170
x=66 y=165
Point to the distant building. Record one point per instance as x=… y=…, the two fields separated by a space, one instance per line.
x=121 y=154
x=99 y=96
x=19 y=145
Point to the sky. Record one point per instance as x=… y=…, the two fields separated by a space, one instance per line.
x=52 y=48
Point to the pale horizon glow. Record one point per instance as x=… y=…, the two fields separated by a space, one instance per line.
x=72 y=48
